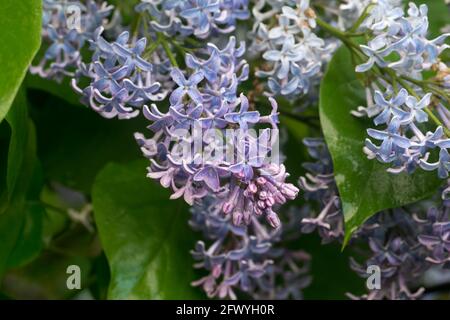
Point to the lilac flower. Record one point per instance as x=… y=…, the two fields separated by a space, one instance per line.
x=389 y=108
x=295 y=54
x=186 y=86
x=391 y=139
x=405 y=35
x=247 y=185
x=67 y=39
x=404 y=145
x=200 y=13
x=200 y=18
x=243 y=117
x=246 y=259
x=132 y=56
x=121 y=81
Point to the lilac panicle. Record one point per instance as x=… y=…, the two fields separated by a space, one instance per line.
x=207 y=99
x=245 y=261
x=121 y=81
x=283 y=33
x=67 y=27
x=201 y=18
x=404 y=242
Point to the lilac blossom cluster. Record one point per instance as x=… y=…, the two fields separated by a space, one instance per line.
x=246 y=261
x=67 y=27
x=206 y=101
x=403 y=108
x=318 y=186
x=404 y=242
x=403 y=143
x=120 y=80
x=201 y=18
x=401 y=35
x=294 y=54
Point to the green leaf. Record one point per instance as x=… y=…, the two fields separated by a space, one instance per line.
x=45 y=278
x=14 y=215
x=75 y=143
x=61 y=90
x=145 y=235
x=21 y=216
x=20 y=38
x=364 y=185
x=18 y=121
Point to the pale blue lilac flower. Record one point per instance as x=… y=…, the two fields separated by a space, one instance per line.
x=66 y=36
x=121 y=81
x=294 y=53
x=246 y=260
x=249 y=185
x=404 y=34
x=403 y=144
x=200 y=18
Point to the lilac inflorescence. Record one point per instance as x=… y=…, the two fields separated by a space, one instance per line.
x=203 y=109
x=319 y=186
x=246 y=261
x=120 y=80
x=283 y=33
x=404 y=242
x=200 y=18
x=67 y=27
x=402 y=143
x=401 y=35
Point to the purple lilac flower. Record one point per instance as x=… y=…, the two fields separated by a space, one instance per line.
x=250 y=185
x=295 y=54
x=404 y=34
x=121 y=81
x=404 y=242
x=245 y=261
x=319 y=186
x=67 y=27
x=200 y=18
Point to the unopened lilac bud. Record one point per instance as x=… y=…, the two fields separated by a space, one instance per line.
x=252 y=188
x=261 y=204
x=263 y=195
x=289 y=190
x=273 y=219
x=237 y=218
x=270 y=201
x=227 y=207
x=278 y=197
x=261 y=181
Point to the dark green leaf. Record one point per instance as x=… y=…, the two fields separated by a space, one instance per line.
x=12 y=219
x=364 y=185
x=61 y=90
x=145 y=235
x=45 y=278
x=18 y=121
x=20 y=37
x=21 y=216
x=74 y=143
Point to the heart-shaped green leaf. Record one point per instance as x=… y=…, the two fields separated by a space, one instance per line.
x=20 y=38
x=145 y=235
